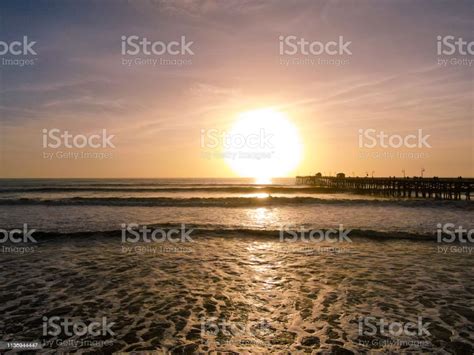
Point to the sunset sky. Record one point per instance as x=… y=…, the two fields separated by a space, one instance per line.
x=392 y=81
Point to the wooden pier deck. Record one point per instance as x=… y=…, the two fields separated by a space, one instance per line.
x=436 y=188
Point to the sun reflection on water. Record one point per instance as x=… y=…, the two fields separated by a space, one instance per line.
x=263 y=181
x=262 y=216
x=262 y=264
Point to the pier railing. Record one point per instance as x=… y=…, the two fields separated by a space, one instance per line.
x=438 y=188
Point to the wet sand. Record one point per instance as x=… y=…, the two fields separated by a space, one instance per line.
x=272 y=297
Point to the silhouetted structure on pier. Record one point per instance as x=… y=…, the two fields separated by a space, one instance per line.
x=438 y=188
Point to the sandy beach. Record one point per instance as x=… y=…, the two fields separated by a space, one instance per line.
x=242 y=294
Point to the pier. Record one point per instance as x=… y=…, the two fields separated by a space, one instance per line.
x=436 y=188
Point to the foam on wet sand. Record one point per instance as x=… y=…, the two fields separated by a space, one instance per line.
x=243 y=294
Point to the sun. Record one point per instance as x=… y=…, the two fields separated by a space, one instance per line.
x=263 y=144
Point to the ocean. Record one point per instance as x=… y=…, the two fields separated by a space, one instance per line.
x=78 y=205
x=245 y=277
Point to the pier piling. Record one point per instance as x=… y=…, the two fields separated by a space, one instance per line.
x=436 y=188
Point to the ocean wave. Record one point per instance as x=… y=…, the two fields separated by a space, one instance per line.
x=234 y=202
x=203 y=231
x=208 y=188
